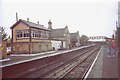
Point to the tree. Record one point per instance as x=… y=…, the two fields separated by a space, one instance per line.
x=84 y=39
x=3 y=34
x=3 y=42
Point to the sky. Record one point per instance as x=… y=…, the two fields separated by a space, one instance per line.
x=89 y=17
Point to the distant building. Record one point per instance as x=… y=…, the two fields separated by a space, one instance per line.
x=60 y=37
x=75 y=39
x=29 y=37
x=96 y=38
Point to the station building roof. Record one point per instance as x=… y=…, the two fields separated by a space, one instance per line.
x=30 y=24
x=57 y=33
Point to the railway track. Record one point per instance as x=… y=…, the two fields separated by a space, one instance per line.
x=61 y=68
x=81 y=69
x=46 y=69
x=65 y=70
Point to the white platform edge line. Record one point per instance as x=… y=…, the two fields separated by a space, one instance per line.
x=93 y=64
x=32 y=54
x=5 y=60
x=43 y=57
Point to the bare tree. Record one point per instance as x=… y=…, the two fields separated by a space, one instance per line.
x=3 y=34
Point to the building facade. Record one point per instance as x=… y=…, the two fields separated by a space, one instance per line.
x=60 y=37
x=29 y=37
x=75 y=39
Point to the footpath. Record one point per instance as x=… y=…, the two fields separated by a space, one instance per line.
x=105 y=67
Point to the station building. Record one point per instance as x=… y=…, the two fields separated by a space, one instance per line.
x=75 y=39
x=29 y=37
x=60 y=37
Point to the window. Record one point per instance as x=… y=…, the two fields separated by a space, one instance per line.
x=25 y=33
x=39 y=34
x=22 y=34
x=47 y=35
x=19 y=33
x=34 y=34
x=44 y=34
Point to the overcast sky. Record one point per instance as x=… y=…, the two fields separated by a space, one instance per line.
x=89 y=17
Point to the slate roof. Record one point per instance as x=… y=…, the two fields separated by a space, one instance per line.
x=57 y=33
x=30 y=24
x=73 y=35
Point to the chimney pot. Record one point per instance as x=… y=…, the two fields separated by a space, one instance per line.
x=16 y=16
x=49 y=22
x=38 y=22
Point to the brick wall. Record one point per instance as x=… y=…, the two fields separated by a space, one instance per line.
x=20 y=48
x=36 y=47
x=41 y=47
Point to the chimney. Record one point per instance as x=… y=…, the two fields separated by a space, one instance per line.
x=50 y=25
x=78 y=33
x=38 y=22
x=27 y=19
x=66 y=26
x=16 y=16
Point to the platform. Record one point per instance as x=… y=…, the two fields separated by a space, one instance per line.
x=105 y=67
x=17 y=59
